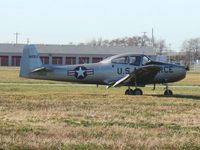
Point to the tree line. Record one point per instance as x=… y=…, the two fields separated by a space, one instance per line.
x=190 y=49
x=138 y=41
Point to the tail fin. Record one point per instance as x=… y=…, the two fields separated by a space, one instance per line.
x=30 y=60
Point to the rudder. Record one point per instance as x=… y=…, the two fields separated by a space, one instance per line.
x=30 y=60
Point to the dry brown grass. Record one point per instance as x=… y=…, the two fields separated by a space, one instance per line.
x=80 y=117
x=191 y=79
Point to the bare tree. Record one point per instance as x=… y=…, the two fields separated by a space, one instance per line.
x=160 y=45
x=99 y=42
x=92 y=43
x=105 y=43
x=127 y=41
x=191 y=48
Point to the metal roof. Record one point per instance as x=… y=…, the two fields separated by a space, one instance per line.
x=78 y=49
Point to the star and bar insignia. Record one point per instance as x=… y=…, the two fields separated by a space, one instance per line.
x=80 y=72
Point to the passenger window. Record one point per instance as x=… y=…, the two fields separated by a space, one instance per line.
x=121 y=60
x=135 y=60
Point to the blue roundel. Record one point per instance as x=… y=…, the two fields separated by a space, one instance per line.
x=80 y=72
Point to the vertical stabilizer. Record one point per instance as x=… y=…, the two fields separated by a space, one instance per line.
x=30 y=60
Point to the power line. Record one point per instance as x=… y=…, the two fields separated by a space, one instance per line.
x=144 y=33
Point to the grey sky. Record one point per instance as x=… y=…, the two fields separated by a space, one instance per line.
x=64 y=21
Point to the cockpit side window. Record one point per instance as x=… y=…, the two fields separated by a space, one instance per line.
x=145 y=60
x=121 y=60
x=135 y=60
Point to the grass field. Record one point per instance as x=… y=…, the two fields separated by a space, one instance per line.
x=11 y=76
x=59 y=116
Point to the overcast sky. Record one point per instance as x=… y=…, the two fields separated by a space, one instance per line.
x=64 y=21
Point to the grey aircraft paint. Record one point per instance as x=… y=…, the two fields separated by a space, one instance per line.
x=119 y=70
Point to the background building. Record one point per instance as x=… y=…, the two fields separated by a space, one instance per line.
x=10 y=54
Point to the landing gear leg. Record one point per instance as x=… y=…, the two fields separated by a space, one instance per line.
x=137 y=91
x=168 y=92
x=154 y=87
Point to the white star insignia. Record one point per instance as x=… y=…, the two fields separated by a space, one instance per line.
x=80 y=72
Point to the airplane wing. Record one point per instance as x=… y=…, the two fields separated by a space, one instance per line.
x=140 y=76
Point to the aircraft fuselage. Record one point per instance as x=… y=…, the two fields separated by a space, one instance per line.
x=104 y=73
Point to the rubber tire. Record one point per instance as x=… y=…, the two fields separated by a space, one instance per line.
x=137 y=91
x=129 y=92
x=168 y=93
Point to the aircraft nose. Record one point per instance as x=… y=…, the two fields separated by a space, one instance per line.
x=182 y=72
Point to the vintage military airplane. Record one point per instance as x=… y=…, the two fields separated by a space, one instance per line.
x=119 y=70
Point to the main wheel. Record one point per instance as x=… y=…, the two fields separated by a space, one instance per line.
x=137 y=92
x=129 y=92
x=168 y=93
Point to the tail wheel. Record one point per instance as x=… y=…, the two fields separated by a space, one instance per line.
x=168 y=93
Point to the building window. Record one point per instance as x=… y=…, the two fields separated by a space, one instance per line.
x=57 y=60
x=96 y=59
x=70 y=60
x=83 y=60
x=16 y=60
x=45 y=59
x=4 y=60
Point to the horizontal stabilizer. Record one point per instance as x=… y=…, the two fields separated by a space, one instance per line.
x=42 y=69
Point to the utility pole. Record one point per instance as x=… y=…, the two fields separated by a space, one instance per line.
x=143 y=38
x=152 y=40
x=144 y=33
x=169 y=53
x=16 y=37
x=28 y=41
